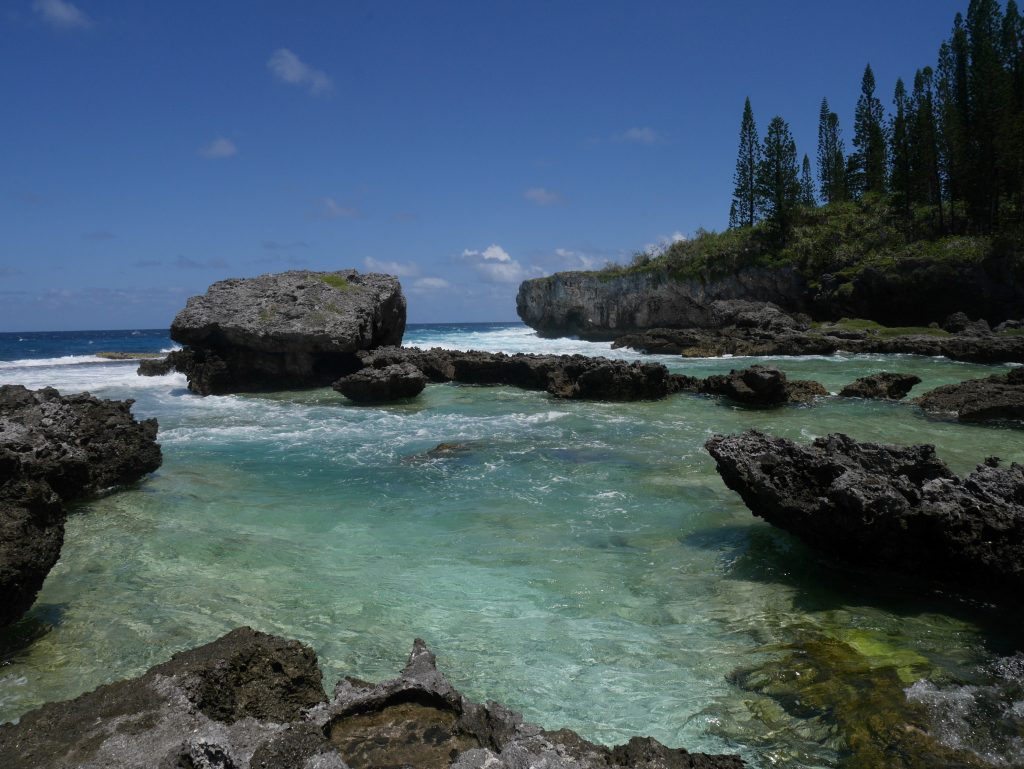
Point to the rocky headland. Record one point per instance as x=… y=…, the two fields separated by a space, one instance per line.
x=55 y=450
x=284 y=331
x=898 y=510
x=255 y=701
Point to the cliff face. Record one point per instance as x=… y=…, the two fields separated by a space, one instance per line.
x=596 y=306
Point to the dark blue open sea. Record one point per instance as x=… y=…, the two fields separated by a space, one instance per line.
x=582 y=562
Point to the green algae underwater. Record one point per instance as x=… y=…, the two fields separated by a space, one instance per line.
x=581 y=562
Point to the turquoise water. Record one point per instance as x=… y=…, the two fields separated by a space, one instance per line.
x=581 y=562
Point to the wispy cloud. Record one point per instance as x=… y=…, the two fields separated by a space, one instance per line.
x=184 y=263
x=569 y=259
x=289 y=68
x=401 y=269
x=9 y=272
x=219 y=148
x=273 y=245
x=639 y=135
x=98 y=235
x=543 y=197
x=289 y=259
x=495 y=265
x=427 y=285
x=61 y=14
x=329 y=208
x=663 y=243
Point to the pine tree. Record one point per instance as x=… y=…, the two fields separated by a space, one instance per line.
x=744 y=196
x=899 y=153
x=807 y=197
x=1011 y=133
x=831 y=160
x=778 y=182
x=952 y=112
x=869 y=139
x=925 y=180
x=986 y=81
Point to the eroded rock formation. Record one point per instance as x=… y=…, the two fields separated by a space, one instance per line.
x=884 y=385
x=54 y=450
x=250 y=700
x=898 y=509
x=761 y=386
x=291 y=330
x=995 y=398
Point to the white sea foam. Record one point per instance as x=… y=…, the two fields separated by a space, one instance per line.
x=64 y=360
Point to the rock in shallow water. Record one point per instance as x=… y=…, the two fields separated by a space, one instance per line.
x=380 y=385
x=995 y=398
x=897 y=509
x=254 y=700
x=55 y=449
x=761 y=386
x=291 y=330
x=881 y=386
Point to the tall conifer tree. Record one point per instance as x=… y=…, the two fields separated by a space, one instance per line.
x=869 y=138
x=778 y=182
x=807 y=197
x=744 y=197
x=899 y=172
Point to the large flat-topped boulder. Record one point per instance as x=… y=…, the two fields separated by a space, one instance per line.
x=289 y=330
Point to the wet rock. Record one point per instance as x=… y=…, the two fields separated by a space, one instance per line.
x=381 y=385
x=996 y=398
x=761 y=386
x=291 y=330
x=564 y=376
x=157 y=366
x=54 y=450
x=877 y=507
x=881 y=386
x=253 y=700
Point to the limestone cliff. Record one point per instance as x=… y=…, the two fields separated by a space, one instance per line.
x=601 y=306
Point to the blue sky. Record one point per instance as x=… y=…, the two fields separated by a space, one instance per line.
x=152 y=148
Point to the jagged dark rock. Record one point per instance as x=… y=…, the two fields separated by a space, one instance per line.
x=995 y=398
x=881 y=386
x=254 y=700
x=895 y=509
x=380 y=385
x=761 y=386
x=291 y=330
x=564 y=376
x=54 y=450
x=731 y=340
x=157 y=366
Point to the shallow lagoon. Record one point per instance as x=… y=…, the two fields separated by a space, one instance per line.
x=582 y=562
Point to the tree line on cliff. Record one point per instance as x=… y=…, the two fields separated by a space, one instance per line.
x=948 y=159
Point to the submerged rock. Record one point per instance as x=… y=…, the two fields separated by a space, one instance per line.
x=564 y=376
x=254 y=700
x=761 y=386
x=995 y=398
x=881 y=386
x=380 y=385
x=899 y=509
x=295 y=329
x=54 y=450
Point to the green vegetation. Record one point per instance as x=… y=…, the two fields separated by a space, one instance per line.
x=877 y=329
x=336 y=281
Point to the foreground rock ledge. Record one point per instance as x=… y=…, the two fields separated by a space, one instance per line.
x=291 y=330
x=251 y=700
x=54 y=450
x=891 y=508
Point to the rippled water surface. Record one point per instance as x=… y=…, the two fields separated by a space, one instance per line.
x=582 y=562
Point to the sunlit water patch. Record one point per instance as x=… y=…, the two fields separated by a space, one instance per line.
x=581 y=562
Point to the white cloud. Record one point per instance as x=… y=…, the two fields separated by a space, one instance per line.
x=332 y=209
x=401 y=269
x=579 y=259
x=664 y=243
x=60 y=13
x=426 y=285
x=495 y=265
x=219 y=148
x=542 y=196
x=289 y=68
x=638 y=135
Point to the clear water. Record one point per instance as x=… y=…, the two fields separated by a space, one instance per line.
x=581 y=562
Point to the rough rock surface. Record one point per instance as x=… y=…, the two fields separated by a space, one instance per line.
x=602 y=307
x=54 y=450
x=734 y=340
x=761 y=386
x=995 y=398
x=564 y=376
x=884 y=385
x=294 y=329
x=254 y=701
x=379 y=385
x=898 y=509
x=157 y=366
